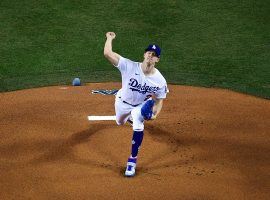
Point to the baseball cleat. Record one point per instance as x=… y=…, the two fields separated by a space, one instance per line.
x=131 y=166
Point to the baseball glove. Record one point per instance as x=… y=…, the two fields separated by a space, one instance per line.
x=147 y=109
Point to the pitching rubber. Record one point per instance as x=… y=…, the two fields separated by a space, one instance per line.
x=101 y=118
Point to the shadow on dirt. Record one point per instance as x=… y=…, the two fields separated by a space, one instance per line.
x=62 y=150
x=177 y=153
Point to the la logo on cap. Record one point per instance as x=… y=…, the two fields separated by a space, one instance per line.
x=155 y=48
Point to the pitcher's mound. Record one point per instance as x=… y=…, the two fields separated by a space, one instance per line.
x=206 y=144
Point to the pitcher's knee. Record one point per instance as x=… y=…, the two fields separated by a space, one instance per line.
x=137 y=119
x=118 y=122
x=136 y=113
x=122 y=119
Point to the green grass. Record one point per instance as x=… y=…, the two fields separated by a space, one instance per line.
x=205 y=43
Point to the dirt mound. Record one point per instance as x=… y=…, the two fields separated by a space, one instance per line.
x=206 y=144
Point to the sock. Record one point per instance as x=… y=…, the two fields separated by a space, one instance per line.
x=136 y=142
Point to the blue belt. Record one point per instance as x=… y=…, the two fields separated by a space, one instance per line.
x=129 y=103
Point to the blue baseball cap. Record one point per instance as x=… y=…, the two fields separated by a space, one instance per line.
x=155 y=48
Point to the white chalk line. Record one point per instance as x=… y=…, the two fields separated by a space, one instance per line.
x=101 y=118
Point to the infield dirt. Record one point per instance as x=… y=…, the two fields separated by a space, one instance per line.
x=206 y=144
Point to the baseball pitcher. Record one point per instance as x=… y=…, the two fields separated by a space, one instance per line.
x=141 y=96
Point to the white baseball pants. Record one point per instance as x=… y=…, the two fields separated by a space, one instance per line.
x=123 y=111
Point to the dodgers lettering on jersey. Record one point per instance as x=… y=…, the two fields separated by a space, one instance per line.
x=136 y=87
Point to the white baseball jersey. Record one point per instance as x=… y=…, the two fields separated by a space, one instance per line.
x=136 y=87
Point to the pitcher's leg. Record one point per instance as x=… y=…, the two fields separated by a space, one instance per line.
x=138 y=121
x=137 y=139
x=138 y=127
x=122 y=111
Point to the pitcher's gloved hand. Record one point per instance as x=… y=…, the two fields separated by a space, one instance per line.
x=147 y=109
